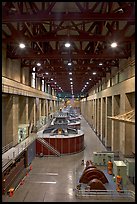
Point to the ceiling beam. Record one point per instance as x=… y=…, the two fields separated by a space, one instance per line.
x=54 y=55
x=82 y=37
x=43 y=16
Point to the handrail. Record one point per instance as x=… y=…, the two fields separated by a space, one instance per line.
x=16 y=150
x=7 y=147
x=106 y=194
x=49 y=146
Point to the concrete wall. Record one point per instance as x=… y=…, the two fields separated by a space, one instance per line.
x=9 y=119
x=20 y=102
x=26 y=78
x=113 y=96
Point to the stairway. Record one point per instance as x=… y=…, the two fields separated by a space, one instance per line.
x=51 y=148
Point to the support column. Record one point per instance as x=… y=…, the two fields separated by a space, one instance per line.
x=7 y=119
x=94 y=114
x=40 y=108
x=122 y=125
x=129 y=128
x=34 y=112
x=15 y=109
x=46 y=107
x=115 y=124
x=31 y=110
x=104 y=120
x=23 y=110
x=101 y=114
x=43 y=107
x=109 y=123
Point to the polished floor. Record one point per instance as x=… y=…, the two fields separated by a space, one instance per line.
x=53 y=179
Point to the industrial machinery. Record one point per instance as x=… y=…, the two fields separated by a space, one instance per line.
x=59 y=138
x=110 y=167
x=119 y=183
x=102 y=158
x=22 y=132
x=60 y=126
x=120 y=169
x=93 y=177
x=130 y=163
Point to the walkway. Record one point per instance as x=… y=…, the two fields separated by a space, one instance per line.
x=53 y=179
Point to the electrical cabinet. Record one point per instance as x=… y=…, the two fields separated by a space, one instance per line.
x=42 y=120
x=130 y=163
x=102 y=158
x=120 y=168
x=22 y=132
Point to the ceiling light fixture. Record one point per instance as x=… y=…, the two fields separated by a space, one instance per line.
x=114 y=44
x=94 y=73
x=38 y=64
x=22 y=45
x=67 y=44
x=70 y=73
x=69 y=63
x=100 y=64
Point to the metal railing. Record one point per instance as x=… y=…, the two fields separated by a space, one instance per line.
x=49 y=146
x=105 y=194
x=7 y=147
x=16 y=150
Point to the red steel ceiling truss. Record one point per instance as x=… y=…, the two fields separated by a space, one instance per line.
x=90 y=29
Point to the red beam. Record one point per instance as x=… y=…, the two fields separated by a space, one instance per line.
x=81 y=37
x=54 y=55
x=79 y=6
x=43 y=16
x=50 y=7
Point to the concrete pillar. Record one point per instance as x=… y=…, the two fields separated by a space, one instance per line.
x=34 y=112
x=43 y=107
x=97 y=121
x=53 y=108
x=94 y=114
x=129 y=128
x=46 y=107
x=122 y=125
x=109 y=123
x=101 y=137
x=39 y=108
x=15 y=109
x=7 y=119
x=4 y=61
x=90 y=113
x=23 y=110
x=98 y=116
x=31 y=110
x=104 y=120
x=115 y=124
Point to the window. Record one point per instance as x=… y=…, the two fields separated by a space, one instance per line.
x=33 y=79
x=42 y=84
